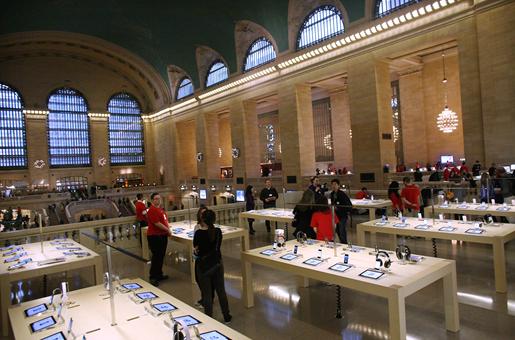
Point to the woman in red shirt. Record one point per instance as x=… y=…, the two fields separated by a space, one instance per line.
x=395 y=197
x=322 y=221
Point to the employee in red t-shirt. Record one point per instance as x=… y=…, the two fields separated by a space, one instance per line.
x=141 y=211
x=410 y=195
x=363 y=194
x=322 y=222
x=157 y=237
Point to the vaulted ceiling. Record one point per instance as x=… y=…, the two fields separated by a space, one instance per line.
x=162 y=32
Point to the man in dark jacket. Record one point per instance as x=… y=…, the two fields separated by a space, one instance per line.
x=343 y=206
x=268 y=195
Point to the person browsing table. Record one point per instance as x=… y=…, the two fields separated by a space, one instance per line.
x=157 y=237
x=268 y=195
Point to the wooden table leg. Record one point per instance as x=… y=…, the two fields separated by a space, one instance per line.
x=450 y=296
x=397 y=316
x=248 y=291
x=371 y=214
x=302 y=281
x=4 y=304
x=499 y=265
x=360 y=234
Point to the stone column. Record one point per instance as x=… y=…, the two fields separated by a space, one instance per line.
x=297 y=138
x=341 y=125
x=99 y=148
x=37 y=148
x=186 y=162
x=371 y=119
x=207 y=143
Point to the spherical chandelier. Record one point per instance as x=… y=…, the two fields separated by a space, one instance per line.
x=447 y=120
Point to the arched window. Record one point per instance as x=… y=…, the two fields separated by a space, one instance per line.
x=260 y=52
x=13 y=143
x=125 y=130
x=217 y=73
x=385 y=7
x=68 y=129
x=323 y=23
x=185 y=88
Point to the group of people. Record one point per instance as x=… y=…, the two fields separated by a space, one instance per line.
x=207 y=241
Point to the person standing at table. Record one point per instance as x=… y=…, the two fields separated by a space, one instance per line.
x=269 y=196
x=207 y=242
x=343 y=206
x=157 y=237
x=250 y=204
x=322 y=220
x=410 y=196
x=302 y=213
x=141 y=211
x=316 y=187
x=476 y=169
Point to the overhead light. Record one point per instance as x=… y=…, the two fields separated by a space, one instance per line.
x=447 y=120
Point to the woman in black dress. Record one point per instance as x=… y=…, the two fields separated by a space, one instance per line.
x=302 y=215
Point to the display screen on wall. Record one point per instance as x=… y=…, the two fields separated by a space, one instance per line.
x=240 y=196
x=202 y=194
x=446 y=159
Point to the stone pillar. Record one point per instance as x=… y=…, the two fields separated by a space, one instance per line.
x=99 y=148
x=297 y=138
x=207 y=143
x=245 y=137
x=161 y=152
x=341 y=125
x=37 y=148
x=371 y=118
x=414 y=140
x=186 y=141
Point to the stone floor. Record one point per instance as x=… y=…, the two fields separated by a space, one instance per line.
x=284 y=311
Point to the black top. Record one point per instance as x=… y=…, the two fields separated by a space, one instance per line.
x=249 y=201
x=302 y=221
x=342 y=202
x=206 y=248
x=266 y=193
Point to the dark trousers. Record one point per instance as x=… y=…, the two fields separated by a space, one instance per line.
x=340 y=229
x=208 y=285
x=157 y=246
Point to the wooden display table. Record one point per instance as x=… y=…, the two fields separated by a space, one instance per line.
x=395 y=286
x=91 y=313
x=496 y=235
x=471 y=209
x=32 y=269
x=183 y=233
x=371 y=205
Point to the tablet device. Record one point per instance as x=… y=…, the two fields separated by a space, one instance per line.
x=39 y=325
x=475 y=231
x=380 y=223
x=68 y=248
x=131 y=286
x=19 y=264
x=313 y=261
x=372 y=274
x=213 y=335
x=164 y=307
x=447 y=229
x=14 y=258
x=400 y=225
x=268 y=252
x=146 y=295
x=55 y=336
x=188 y=320
x=191 y=234
x=177 y=230
x=35 y=310
x=12 y=251
x=289 y=257
x=340 y=267
x=422 y=227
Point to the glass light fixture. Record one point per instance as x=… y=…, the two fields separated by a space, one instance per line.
x=447 y=120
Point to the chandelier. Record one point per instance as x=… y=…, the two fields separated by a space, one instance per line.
x=447 y=120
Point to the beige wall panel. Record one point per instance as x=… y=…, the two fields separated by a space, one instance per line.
x=340 y=119
x=186 y=150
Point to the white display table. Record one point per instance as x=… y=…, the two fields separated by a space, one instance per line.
x=91 y=313
x=496 y=235
x=471 y=209
x=371 y=205
x=395 y=286
x=183 y=233
x=32 y=269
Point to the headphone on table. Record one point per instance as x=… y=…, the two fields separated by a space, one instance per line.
x=180 y=334
x=383 y=259
x=302 y=237
x=403 y=252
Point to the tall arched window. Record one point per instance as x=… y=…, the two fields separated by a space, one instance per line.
x=125 y=130
x=13 y=143
x=68 y=129
x=217 y=73
x=385 y=7
x=323 y=23
x=260 y=52
x=185 y=88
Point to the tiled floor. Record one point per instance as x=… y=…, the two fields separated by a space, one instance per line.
x=284 y=311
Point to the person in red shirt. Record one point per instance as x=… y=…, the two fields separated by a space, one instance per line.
x=141 y=211
x=410 y=195
x=322 y=221
x=363 y=194
x=446 y=173
x=157 y=237
x=395 y=197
